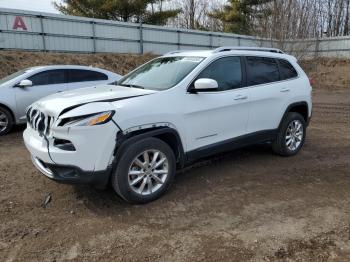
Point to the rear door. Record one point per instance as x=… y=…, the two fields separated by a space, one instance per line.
x=79 y=78
x=270 y=92
x=44 y=83
x=219 y=115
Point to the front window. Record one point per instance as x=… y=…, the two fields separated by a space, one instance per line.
x=227 y=71
x=161 y=73
x=50 y=77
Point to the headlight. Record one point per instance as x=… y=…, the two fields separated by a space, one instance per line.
x=88 y=120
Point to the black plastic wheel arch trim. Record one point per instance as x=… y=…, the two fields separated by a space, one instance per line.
x=124 y=140
x=301 y=103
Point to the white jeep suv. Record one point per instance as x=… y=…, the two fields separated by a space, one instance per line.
x=169 y=112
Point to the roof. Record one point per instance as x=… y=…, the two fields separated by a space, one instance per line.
x=63 y=67
x=52 y=67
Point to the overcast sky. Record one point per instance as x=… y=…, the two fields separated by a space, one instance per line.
x=33 y=5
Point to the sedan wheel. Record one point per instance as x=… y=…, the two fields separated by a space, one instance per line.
x=4 y=121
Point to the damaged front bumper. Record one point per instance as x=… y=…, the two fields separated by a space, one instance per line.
x=87 y=161
x=72 y=174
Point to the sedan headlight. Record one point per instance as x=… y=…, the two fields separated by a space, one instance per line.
x=88 y=120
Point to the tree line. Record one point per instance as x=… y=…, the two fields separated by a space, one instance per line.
x=275 y=19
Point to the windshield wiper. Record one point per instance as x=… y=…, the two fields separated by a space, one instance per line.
x=132 y=86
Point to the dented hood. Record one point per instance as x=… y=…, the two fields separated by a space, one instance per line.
x=61 y=102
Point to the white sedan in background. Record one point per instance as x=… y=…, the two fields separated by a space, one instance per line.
x=21 y=89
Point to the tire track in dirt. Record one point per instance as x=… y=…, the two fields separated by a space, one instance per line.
x=247 y=205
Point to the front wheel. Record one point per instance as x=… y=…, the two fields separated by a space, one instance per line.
x=291 y=135
x=144 y=171
x=6 y=121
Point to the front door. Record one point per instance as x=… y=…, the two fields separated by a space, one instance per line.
x=44 y=83
x=219 y=115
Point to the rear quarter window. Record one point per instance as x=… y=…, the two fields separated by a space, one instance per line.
x=287 y=71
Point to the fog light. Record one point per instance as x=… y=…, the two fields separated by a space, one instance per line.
x=64 y=144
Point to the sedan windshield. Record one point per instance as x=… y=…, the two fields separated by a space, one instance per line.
x=12 y=76
x=161 y=73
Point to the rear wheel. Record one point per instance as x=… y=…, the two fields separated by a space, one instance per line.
x=291 y=135
x=144 y=171
x=6 y=121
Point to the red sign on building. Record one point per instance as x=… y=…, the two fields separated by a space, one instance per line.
x=19 y=24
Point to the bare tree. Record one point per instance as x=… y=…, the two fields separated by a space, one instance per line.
x=346 y=22
x=195 y=14
x=281 y=19
x=336 y=12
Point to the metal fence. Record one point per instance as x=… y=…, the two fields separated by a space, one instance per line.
x=36 y=31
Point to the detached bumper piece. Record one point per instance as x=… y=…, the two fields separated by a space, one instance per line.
x=71 y=174
x=309 y=120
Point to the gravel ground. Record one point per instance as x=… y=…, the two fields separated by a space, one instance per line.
x=247 y=205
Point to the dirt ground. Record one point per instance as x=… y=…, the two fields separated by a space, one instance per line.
x=328 y=72
x=248 y=205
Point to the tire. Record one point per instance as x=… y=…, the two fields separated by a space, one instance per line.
x=283 y=145
x=6 y=121
x=130 y=179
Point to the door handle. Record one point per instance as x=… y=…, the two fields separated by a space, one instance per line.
x=240 y=97
x=285 y=89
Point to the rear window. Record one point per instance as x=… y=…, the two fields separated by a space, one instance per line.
x=79 y=75
x=287 y=71
x=262 y=70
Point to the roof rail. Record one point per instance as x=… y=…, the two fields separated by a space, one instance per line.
x=262 y=49
x=177 y=52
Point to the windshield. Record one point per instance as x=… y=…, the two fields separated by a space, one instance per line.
x=12 y=76
x=161 y=73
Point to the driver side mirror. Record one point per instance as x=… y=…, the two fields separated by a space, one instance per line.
x=205 y=84
x=25 y=83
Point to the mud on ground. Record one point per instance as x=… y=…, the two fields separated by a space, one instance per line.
x=248 y=205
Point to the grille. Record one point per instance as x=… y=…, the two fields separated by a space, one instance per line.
x=39 y=121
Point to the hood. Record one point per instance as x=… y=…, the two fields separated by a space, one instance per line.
x=59 y=102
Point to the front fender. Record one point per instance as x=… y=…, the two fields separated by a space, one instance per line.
x=126 y=139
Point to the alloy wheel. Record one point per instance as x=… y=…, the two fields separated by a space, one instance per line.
x=148 y=172
x=4 y=121
x=294 y=135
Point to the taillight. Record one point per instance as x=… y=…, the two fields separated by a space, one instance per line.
x=312 y=81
